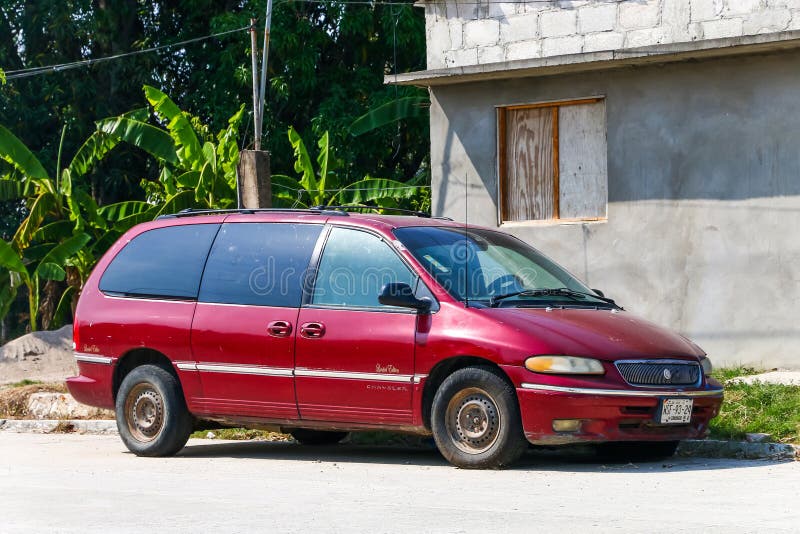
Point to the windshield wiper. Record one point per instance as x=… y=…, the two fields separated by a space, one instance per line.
x=557 y=292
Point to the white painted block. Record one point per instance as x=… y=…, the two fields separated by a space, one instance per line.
x=706 y=9
x=675 y=19
x=519 y=28
x=741 y=7
x=767 y=21
x=648 y=37
x=561 y=46
x=597 y=18
x=597 y=42
x=461 y=57
x=558 y=23
x=502 y=10
x=484 y=32
x=491 y=54
x=633 y=15
x=524 y=50
x=456 y=28
x=718 y=29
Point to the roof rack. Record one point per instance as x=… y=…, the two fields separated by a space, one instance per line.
x=341 y=211
x=190 y=212
x=359 y=209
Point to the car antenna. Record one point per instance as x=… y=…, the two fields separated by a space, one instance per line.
x=466 y=240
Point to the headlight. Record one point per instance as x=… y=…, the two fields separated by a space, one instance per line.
x=705 y=363
x=567 y=365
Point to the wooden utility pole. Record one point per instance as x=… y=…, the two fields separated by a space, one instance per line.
x=253 y=172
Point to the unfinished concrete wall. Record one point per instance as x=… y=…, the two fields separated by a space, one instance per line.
x=471 y=32
x=703 y=229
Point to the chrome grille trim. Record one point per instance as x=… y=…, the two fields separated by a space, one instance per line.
x=651 y=373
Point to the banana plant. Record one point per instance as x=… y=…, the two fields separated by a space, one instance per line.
x=62 y=218
x=320 y=186
x=194 y=172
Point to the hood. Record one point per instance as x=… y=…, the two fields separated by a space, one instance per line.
x=599 y=334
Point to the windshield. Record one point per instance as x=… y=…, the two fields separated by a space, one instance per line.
x=498 y=265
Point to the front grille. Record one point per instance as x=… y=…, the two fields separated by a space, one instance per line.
x=655 y=373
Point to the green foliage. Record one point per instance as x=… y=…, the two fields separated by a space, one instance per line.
x=320 y=186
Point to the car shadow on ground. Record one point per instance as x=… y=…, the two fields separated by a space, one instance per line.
x=573 y=459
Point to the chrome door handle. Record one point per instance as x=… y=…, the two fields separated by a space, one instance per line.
x=312 y=330
x=279 y=328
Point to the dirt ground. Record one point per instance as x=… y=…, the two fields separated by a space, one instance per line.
x=41 y=356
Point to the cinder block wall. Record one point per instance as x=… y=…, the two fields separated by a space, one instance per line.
x=473 y=32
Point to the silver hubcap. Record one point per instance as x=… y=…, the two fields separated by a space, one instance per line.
x=144 y=412
x=473 y=420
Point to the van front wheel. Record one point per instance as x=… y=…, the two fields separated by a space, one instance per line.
x=475 y=420
x=152 y=418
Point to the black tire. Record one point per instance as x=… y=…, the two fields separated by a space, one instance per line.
x=152 y=418
x=481 y=398
x=637 y=451
x=306 y=436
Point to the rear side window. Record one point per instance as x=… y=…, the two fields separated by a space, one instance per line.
x=164 y=262
x=262 y=264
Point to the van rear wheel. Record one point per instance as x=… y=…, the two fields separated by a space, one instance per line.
x=475 y=420
x=151 y=413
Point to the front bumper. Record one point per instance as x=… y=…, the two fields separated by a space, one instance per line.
x=610 y=414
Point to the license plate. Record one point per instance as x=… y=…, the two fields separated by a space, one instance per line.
x=676 y=411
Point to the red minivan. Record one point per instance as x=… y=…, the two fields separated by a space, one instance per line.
x=322 y=322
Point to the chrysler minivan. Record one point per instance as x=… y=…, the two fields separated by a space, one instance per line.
x=322 y=322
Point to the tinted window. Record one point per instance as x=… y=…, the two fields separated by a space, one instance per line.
x=165 y=262
x=259 y=263
x=354 y=268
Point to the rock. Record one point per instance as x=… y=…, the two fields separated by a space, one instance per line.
x=211 y=435
x=757 y=437
x=45 y=356
x=62 y=406
x=787 y=378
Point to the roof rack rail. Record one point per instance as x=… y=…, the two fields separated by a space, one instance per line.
x=190 y=212
x=362 y=208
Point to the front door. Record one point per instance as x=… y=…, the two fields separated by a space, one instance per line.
x=246 y=317
x=354 y=359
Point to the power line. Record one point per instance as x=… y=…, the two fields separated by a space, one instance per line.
x=35 y=71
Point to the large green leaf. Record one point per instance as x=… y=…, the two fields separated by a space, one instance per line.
x=12 y=189
x=43 y=204
x=89 y=207
x=64 y=307
x=51 y=266
x=10 y=260
x=17 y=154
x=8 y=292
x=372 y=189
x=176 y=203
x=98 y=145
x=189 y=150
x=53 y=232
x=288 y=191
x=126 y=223
x=152 y=140
x=322 y=162
x=393 y=111
x=302 y=163
x=120 y=210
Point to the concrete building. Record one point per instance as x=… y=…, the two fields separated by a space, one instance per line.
x=650 y=146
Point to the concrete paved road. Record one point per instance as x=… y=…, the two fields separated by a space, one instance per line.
x=55 y=483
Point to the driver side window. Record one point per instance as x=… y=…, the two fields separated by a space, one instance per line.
x=355 y=266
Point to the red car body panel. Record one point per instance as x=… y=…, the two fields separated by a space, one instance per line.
x=350 y=368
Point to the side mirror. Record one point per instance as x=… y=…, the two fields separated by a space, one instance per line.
x=599 y=292
x=401 y=295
